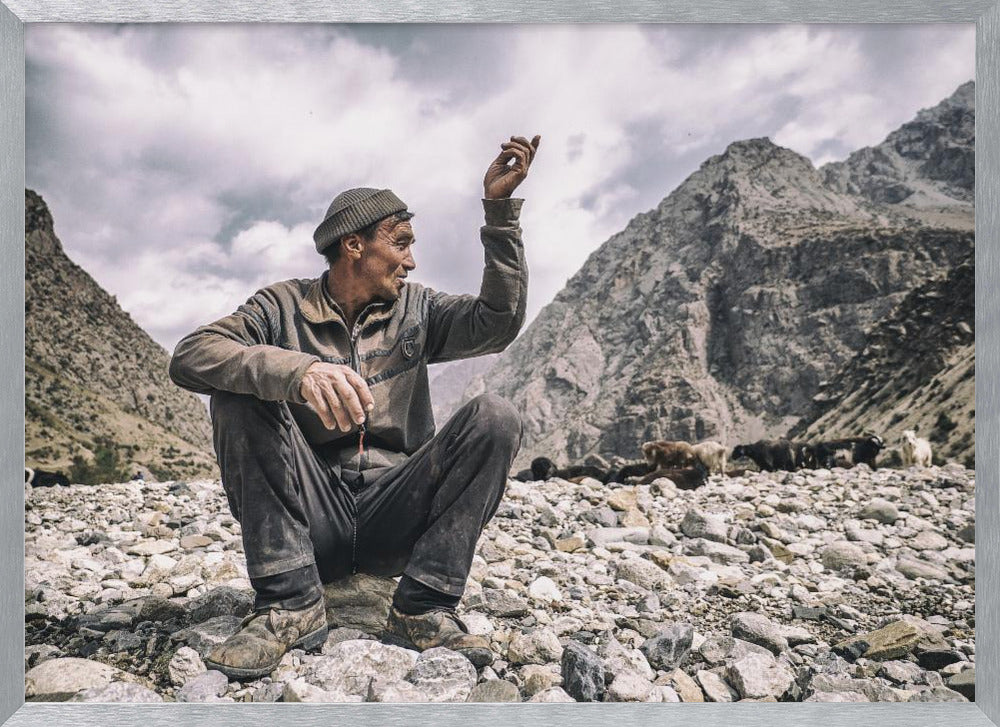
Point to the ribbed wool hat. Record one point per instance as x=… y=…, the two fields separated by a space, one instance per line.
x=354 y=209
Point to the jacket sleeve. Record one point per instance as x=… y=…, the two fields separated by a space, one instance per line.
x=238 y=354
x=462 y=326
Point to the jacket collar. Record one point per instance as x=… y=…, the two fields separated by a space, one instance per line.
x=318 y=307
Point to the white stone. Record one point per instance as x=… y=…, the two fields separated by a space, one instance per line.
x=544 y=589
x=349 y=666
x=185 y=665
x=628 y=687
x=755 y=676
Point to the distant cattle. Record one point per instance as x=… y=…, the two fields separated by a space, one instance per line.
x=625 y=472
x=770 y=455
x=688 y=478
x=863 y=450
x=843 y=458
x=915 y=450
x=41 y=478
x=805 y=455
x=712 y=455
x=665 y=454
x=543 y=468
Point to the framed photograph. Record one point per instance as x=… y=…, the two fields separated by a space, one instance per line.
x=770 y=230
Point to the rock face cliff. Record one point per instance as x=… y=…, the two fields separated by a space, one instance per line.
x=916 y=371
x=93 y=378
x=720 y=313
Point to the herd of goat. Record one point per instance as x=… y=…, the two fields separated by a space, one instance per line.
x=689 y=465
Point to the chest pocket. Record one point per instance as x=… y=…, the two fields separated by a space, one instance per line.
x=406 y=352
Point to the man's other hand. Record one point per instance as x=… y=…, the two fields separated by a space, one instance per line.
x=502 y=179
x=338 y=394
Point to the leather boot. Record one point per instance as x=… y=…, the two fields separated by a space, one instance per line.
x=264 y=637
x=437 y=628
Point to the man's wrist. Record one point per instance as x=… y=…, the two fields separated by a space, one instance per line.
x=502 y=212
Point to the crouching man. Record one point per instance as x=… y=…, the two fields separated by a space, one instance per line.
x=323 y=428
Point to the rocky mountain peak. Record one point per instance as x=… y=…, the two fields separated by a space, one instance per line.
x=751 y=180
x=927 y=162
x=37 y=218
x=720 y=313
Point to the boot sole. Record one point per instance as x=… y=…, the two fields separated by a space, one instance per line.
x=307 y=642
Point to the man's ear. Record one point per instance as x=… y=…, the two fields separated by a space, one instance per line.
x=352 y=245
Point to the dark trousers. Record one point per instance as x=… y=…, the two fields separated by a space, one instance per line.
x=422 y=517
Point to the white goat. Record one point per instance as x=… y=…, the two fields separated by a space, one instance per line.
x=915 y=450
x=712 y=455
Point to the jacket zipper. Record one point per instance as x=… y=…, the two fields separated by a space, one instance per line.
x=356 y=365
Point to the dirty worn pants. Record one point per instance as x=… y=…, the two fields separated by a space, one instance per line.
x=422 y=517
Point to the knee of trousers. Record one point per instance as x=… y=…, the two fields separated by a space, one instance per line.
x=496 y=419
x=228 y=408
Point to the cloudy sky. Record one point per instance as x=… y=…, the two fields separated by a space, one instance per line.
x=188 y=165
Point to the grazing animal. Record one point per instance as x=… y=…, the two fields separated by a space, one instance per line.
x=805 y=455
x=712 y=455
x=863 y=450
x=663 y=455
x=633 y=469
x=543 y=468
x=686 y=479
x=41 y=478
x=579 y=471
x=915 y=450
x=843 y=458
x=770 y=455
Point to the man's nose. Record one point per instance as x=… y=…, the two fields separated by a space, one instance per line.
x=408 y=262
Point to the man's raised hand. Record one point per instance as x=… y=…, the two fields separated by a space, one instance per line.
x=502 y=178
x=338 y=394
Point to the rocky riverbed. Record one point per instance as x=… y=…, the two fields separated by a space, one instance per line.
x=839 y=585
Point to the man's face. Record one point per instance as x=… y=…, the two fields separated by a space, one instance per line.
x=388 y=259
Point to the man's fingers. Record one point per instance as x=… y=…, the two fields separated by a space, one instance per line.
x=519 y=154
x=349 y=400
x=361 y=389
x=521 y=146
x=530 y=146
x=335 y=406
x=320 y=401
x=521 y=160
x=506 y=155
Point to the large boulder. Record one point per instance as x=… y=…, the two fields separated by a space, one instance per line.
x=56 y=680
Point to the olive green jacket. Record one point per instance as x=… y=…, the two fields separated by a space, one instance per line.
x=265 y=347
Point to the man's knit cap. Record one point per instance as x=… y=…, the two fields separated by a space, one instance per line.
x=353 y=210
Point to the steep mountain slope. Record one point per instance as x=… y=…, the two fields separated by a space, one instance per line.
x=916 y=371
x=93 y=378
x=719 y=313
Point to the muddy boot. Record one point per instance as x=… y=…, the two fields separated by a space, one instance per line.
x=264 y=637
x=437 y=628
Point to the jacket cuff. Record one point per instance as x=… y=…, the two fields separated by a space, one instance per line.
x=502 y=212
x=294 y=393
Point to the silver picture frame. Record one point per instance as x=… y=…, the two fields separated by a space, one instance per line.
x=984 y=13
